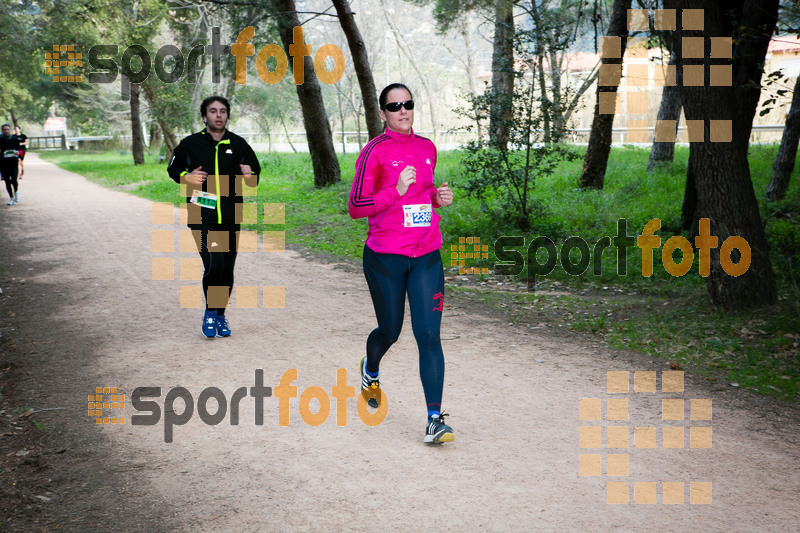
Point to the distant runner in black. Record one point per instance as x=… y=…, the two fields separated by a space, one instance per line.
x=9 y=163
x=23 y=142
x=215 y=204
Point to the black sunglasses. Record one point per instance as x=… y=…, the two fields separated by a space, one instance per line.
x=394 y=107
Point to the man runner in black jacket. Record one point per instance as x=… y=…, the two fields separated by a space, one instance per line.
x=23 y=142
x=213 y=163
x=9 y=162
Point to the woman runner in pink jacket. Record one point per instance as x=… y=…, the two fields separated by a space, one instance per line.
x=393 y=187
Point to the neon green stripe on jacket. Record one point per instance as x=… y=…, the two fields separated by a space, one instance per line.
x=216 y=179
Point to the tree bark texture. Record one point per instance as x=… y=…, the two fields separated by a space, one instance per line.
x=502 y=74
x=170 y=141
x=558 y=131
x=669 y=109
x=596 y=159
x=784 y=161
x=546 y=105
x=358 y=51
x=718 y=166
x=137 y=136
x=155 y=138
x=315 y=117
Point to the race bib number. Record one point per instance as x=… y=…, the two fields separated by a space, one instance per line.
x=204 y=199
x=10 y=153
x=417 y=215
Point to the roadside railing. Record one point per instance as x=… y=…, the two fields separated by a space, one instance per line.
x=353 y=141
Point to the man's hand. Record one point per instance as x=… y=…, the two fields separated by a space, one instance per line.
x=196 y=176
x=444 y=195
x=249 y=177
x=405 y=179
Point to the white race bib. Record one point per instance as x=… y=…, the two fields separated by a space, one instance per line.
x=417 y=215
x=204 y=199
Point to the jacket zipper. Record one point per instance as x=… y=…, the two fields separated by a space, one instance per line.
x=216 y=178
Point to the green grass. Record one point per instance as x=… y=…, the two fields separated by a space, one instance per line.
x=316 y=218
x=116 y=170
x=661 y=316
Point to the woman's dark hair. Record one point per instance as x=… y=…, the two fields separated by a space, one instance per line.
x=385 y=93
x=211 y=99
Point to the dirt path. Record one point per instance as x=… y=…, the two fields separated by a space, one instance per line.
x=89 y=314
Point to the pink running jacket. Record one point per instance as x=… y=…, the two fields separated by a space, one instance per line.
x=394 y=229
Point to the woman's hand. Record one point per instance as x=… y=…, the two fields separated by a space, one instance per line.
x=406 y=178
x=196 y=176
x=444 y=195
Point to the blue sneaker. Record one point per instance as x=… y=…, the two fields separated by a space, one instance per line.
x=210 y=323
x=222 y=326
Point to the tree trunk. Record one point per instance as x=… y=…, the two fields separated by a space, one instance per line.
x=13 y=118
x=230 y=88
x=361 y=65
x=718 y=165
x=341 y=121
x=669 y=109
x=784 y=161
x=357 y=118
x=137 y=136
x=315 y=118
x=502 y=74
x=556 y=113
x=596 y=159
x=198 y=88
x=573 y=104
x=546 y=105
x=170 y=141
x=155 y=137
x=689 y=203
x=286 y=131
x=469 y=52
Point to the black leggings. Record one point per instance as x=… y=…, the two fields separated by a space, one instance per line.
x=390 y=277
x=10 y=177
x=217 y=265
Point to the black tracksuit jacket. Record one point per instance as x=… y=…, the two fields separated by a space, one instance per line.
x=220 y=159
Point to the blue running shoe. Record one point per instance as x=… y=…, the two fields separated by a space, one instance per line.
x=222 y=326
x=210 y=323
